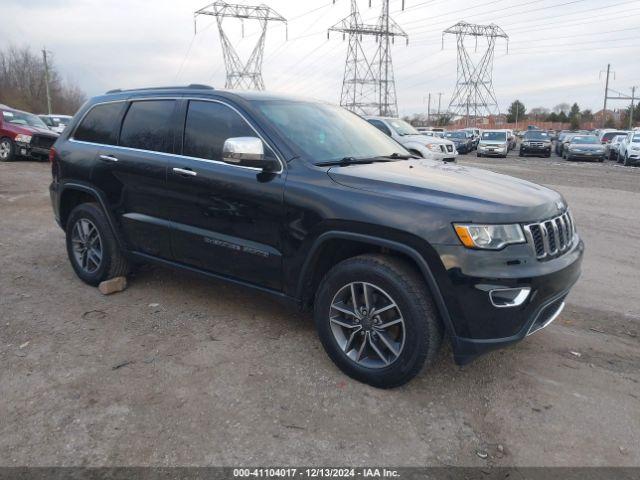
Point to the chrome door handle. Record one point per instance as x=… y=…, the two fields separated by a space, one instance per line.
x=108 y=158
x=185 y=172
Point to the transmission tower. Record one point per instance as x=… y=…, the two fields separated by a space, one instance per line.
x=242 y=75
x=368 y=86
x=474 y=96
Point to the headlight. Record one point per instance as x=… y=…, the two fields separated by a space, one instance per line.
x=526 y=144
x=23 y=138
x=433 y=147
x=489 y=237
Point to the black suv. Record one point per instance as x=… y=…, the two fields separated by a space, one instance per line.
x=535 y=142
x=311 y=203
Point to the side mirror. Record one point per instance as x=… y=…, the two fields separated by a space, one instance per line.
x=247 y=152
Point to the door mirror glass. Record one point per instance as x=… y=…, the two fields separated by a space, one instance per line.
x=247 y=152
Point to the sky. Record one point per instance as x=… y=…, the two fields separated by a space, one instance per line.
x=557 y=52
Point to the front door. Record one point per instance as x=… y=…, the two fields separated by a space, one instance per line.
x=226 y=219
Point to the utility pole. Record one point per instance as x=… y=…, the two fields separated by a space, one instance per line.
x=517 y=112
x=439 y=102
x=606 y=93
x=368 y=86
x=633 y=99
x=46 y=79
x=429 y=110
x=474 y=84
x=242 y=75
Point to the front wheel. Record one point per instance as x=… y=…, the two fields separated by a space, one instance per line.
x=376 y=320
x=92 y=248
x=7 y=150
x=478 y=154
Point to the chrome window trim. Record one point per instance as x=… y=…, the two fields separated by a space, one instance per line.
x=220 y=162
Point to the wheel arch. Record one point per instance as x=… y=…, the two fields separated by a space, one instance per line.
x=334 y=246
x=73 y=194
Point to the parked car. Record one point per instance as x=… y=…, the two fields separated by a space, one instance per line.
x=57 y=123
x=606 y=136
x=535 y=142
x=23 y=135
x=493 y=143
x=613 y=147
x=431 y=133
x=629 y=149
x=564 y=141
x=584 y=147
x=462 y=139
x=425 y=147
x=475 y=132
x=309 y=202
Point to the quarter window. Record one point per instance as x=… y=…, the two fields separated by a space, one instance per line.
x=147 y=126
x=100 y=124
x=208 y=125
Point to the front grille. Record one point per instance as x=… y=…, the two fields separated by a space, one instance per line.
x=551 y=238
x=536 y=144
x=42 y=141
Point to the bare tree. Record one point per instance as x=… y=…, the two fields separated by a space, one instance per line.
x=22 y=83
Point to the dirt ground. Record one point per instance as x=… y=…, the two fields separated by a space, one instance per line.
x=179 y=370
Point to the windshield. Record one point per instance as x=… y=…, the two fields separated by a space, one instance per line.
x=23 y=118
x=636 y=139
x=495 y=136
x=586 y=140
x=610 y=135
x=61 y=120
x=402 y=128
x=536 y=135
x=456 y=135
x=326 y=132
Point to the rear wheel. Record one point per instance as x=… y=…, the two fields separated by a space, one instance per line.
x=478 y=154
x=376 y=320
x=7 y=150
x=91 y=246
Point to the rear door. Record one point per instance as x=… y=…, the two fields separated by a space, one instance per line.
x=226 y=219
x=133 y=172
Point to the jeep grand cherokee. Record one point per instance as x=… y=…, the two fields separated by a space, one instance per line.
x=309 y=202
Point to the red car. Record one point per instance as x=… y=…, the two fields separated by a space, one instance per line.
x=23 y=134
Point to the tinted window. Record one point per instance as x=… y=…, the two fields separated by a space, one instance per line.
x=100 y=124
x=380 y=126
x=147 y=126
x=208 y=125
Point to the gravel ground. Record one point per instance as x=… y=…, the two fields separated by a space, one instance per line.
x=178 y=370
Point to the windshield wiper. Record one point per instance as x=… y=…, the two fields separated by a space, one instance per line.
x=352 y=161
x=398 y=156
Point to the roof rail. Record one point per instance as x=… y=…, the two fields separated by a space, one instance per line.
x=194 y=86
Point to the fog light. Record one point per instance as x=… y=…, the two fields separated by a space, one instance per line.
x=508 y=297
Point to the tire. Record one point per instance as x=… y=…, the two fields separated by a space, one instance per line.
x=548 y=155
x=112 y=263
x=626 y=161
x=7 y=150
x=478 y=155
x=520 y=154
x=419 y=333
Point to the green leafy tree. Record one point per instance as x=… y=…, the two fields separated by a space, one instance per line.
x=552 y=117
x=587 y=115
x=562 y=117
x=574 y=112
x=517 y=111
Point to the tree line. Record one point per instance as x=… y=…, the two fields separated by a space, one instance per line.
x=23 y=87
x=564 y=113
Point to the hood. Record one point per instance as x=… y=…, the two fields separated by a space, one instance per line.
x=29 y=130
x=424 y=139
x=587 y=146
x=482 y=195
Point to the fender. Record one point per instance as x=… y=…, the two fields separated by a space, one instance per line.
x=392 y=245
x=100 y=197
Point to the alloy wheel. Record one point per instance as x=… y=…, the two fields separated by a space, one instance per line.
x=367 y=325
x=87 y=245
x=5 y=149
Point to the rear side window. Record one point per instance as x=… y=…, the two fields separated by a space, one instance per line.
x=147 y=126
x=100 y=124
x=208 y=125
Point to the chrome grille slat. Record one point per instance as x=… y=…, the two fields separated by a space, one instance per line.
x=552 y=237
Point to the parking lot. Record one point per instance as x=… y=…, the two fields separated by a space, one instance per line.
x=179 y=370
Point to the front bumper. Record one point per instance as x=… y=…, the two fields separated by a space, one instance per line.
x=481 y=326
x=29 y=151
x=585 y=155
x=529 y=150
